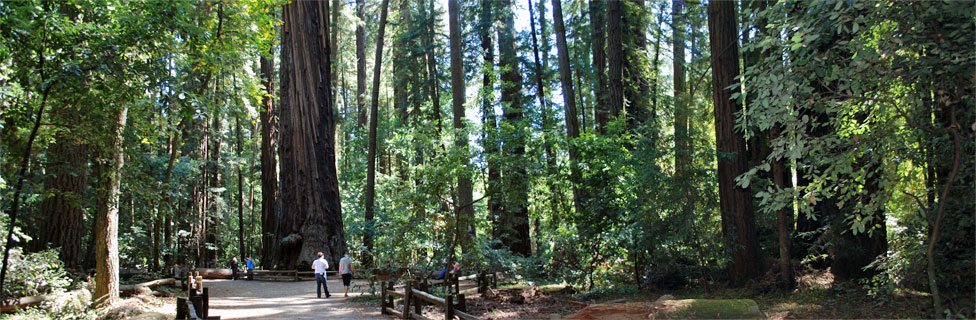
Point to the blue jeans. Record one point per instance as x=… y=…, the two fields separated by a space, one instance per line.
x=319 y=284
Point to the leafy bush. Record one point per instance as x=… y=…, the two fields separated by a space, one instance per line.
x=34 y=274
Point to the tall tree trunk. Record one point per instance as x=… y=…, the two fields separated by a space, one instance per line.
x=681 y=111
x=544 y=107
x=597 y=12
x=371 y=153
x=269 y=165
x=361 y=63
x=63 y=212
x=515 y=222
x=311 y=215
x=464 y=224
x=635 y=63
x=491 y=143
x=738 y=221
x=432 y=79
x=240 y=192
x=569 y=100
x=107 y=237
x=615 y=53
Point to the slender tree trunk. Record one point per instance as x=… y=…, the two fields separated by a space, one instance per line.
x=361 y=63
x=615 y=52
x=597 y=35
x=435 y=96
x=107 y=237
x=543 y=106
x=21 y=175
x=371 y=153
x=491 y=145
x=681 y=111
x=516 y=216
x=569 y=100
x=464 y=223
x=738 y=222
x=240 y=192
x=635 y=64
x=311 y=217
x=269 y=165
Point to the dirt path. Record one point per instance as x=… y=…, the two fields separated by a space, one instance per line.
x=286 y=300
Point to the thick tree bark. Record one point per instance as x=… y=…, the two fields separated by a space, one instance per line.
x=464 y=207
x=334 y=48
x=107 y=236
x=515 y=222
x=269 y=165
x=738 y=221
x=63 y=212
x=615 y=53
x=311 y=215
x=491 y=143
x=569 y=100
x=361 y=63
x=598 y=35
x=371 y=153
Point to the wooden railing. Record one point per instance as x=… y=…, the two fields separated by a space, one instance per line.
x=196 y=306
x=415 y=298
x=414 y=295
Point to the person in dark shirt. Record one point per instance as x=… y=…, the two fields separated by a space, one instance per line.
x=233 y=267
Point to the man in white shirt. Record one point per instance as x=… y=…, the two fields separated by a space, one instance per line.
x=345 y=269
x=320 y=266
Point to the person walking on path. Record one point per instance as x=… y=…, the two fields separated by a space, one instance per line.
x=250 y=267
x=233 y=267
x=345 y=268
x=320 y=266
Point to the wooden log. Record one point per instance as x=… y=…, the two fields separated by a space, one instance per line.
x=24 y=302
x=145 y=287
x=396 y=294
x=211 y=273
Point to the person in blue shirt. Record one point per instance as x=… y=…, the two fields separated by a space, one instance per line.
x=250 y=267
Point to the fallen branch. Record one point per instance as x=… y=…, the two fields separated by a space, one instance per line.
x=145 y=287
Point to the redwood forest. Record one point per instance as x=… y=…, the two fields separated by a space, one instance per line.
x=488 y=159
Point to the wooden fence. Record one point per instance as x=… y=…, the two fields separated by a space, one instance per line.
x=415 y=296
x=196 y=306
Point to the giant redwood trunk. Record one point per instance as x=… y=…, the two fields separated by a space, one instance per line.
x=738 y=221
x=310 y=219
x=63 y=211
x=360 y=64
x=514 y=224
x=269 y=166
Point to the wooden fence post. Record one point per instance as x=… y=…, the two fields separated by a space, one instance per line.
x=450 y=308
x=389 y=297
x=382 y=297
x=457 y=284
x=206 y=303
x=462 y=304
x=407 y=299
